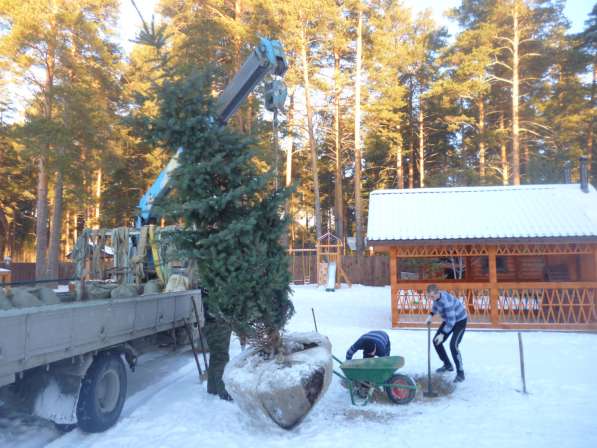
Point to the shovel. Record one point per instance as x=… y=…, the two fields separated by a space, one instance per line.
x=429 y=392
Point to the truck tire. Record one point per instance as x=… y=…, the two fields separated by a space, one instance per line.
x=102 y=395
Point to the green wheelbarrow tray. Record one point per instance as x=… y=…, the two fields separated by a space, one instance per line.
x=366 y=375
x=372 y=370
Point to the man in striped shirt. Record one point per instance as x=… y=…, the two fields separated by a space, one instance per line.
x=454 y=322
x=374 y=343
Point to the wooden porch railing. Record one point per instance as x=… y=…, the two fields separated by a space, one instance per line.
x=535 y=305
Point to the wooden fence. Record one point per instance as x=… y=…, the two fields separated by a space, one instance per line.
x=531 y=305
x=25 y=272
x=373 y=270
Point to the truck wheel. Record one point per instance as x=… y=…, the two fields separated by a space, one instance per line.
x=399 y=395
x=103 y=391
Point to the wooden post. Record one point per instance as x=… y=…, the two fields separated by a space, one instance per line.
x=394 y=285
x=522 y=374
x=493 y=287
x=594 y=304
x=595 y=263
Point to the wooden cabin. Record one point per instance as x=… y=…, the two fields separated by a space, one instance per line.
x=517 y=256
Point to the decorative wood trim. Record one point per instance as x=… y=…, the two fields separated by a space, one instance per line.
x=471 y=250
x=545 y=249
x=441 y=251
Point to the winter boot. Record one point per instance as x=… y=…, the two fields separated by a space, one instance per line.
x=459 y=377
x=445 y=368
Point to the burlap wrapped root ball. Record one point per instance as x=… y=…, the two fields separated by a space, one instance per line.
x=99 y=290
x=177 y=283
x=285 y=388
x=124 y=291
x=152 y=287
x=22 y=298
x=46 y=295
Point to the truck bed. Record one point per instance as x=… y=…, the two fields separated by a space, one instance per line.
x=33 y=337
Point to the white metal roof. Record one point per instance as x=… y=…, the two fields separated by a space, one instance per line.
x=466 y=213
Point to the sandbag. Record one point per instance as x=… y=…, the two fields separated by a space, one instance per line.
x=96 y=290
x=4 y=302
x=46 y=295
x=152 y=287
x=22 y=298
x=177 y=282
x=124 y=291
x=285 y=388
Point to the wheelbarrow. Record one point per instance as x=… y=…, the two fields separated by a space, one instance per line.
x=364 y=376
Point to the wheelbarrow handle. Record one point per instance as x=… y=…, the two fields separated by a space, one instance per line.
x=337 y=359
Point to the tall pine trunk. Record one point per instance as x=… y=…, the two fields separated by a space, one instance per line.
x=98 y=199
x=421 y=145
x=590 y=145
x=288 y=179
x=56 y=229
x=338 y=202
x=357 y=138
x=515 y=97
x=312 y=146
x=67 y=232
x=238 y=8
x=504 y=152
x=41 y=224
x=411 y=143
x=399 y=167
x=481 y=127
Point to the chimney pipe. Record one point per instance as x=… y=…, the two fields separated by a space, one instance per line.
x=567 y=172
x=584 y=175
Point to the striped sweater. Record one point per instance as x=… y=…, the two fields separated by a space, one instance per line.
x=450 y=309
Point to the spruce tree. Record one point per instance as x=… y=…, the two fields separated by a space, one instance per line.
x=231 y=215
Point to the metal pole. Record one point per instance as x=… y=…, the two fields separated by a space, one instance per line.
x=276 y=149
x=429 y=392
x=522 y=375
x=200 y=333
x=314 y=320
x=190 y=335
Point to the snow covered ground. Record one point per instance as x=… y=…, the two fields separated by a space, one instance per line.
x=486 y=410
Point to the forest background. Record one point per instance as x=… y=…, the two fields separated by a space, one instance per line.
x=379 y=96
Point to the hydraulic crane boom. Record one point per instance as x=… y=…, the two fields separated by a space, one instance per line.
x=267 y=58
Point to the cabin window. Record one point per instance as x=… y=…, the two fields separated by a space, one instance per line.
x=501 y=264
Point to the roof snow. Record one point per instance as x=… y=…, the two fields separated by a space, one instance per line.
x=470 y=213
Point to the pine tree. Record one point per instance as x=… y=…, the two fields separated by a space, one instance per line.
x=231 y=216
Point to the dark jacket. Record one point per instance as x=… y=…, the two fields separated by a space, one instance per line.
x=378 y=339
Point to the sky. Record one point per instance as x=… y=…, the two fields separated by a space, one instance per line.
x=577 y=12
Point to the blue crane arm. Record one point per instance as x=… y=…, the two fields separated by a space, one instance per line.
x=267 y=58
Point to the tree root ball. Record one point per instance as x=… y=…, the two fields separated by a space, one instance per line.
x=284 y=388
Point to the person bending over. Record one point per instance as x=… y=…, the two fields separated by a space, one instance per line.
x=374 y=343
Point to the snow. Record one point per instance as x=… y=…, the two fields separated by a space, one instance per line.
x=61 y=289
x=55 y=405
x=487 y=410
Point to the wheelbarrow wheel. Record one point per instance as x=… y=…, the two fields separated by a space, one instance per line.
x=399 y=395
